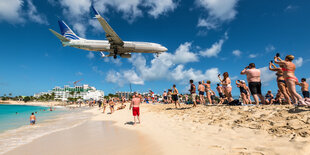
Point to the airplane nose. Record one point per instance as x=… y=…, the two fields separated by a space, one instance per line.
x=164 y=49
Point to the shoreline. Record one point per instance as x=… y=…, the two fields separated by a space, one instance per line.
x=95 y=132
x=201 y=130
x=34 y=103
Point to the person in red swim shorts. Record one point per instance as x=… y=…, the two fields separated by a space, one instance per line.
x=135 y=105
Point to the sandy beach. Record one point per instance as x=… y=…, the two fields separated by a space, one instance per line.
x=166 y=130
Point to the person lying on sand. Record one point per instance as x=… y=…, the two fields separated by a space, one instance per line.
x=135 y=106
x=121 y=107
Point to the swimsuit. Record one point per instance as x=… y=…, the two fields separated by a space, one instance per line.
x=135 y=111
x=255 y=87
x=242 y=90
x=287 y=70
x=201 y=93
x=305 y=94
x=32 y=121
x=268 y=97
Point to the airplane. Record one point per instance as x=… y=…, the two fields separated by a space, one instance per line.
x=114 y=44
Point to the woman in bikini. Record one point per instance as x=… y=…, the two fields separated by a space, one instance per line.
x=208 y=91
x=290 y=78
x=226 y=83
x=243 y=91
x=281 y=81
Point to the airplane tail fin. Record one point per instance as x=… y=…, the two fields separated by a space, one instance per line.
x=67 y=32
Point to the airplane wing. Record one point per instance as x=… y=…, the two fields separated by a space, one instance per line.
x=113 y=38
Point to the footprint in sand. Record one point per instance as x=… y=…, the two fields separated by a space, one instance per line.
x=216 y=147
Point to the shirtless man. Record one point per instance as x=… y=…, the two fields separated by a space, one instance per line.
x=201 y=89
x=135 y=105
x=304 y=88
x=253 y=77
x=32 y=119
x=174 y=96
x=193 y=92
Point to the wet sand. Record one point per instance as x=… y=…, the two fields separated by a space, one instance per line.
x=93 y=137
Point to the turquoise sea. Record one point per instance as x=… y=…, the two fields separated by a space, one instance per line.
x=15 y=129
x=14 y=116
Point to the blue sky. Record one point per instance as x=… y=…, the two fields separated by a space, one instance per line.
x=204 y=38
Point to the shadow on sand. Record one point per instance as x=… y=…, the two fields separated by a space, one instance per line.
x=184 y=108
x=298 y=110
x=129 y=123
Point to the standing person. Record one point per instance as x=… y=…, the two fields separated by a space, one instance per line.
x=208 y=91
x=169 y=96
x=193 y=92
x=219 y=89
x=226 y=83
x=253 y=77
x=33 y=119
x=304 y=88
x=104 y=104
x=112 y=103
x=100 y=104
x=201 y=89
x=175 y=98
x=135 y=105
x=243 y=92
x=280 y=81
x=165 y=97
x=290 y=78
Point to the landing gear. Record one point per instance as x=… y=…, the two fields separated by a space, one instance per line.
x=157 y=55
x=115 y=54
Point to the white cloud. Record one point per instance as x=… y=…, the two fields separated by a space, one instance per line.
x=298 y=62
x=124 y=77
x=129 y=8
x=10 y=11
x=75 y=8
x=270 y=48
x=237 y=53
x=96 y=70
x=112 y=60
x=79 y=73
x=80 y=29
x=266 y=75
x=215 y=49
x=219 y=11
x=33 y=14
x=290 y=8
x=159 y=7
x=90 y=55
x=167 y=66
x=207 y=23
x=184 y=55
x=252 y=55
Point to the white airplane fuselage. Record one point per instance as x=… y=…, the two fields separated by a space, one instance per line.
x=128 y=47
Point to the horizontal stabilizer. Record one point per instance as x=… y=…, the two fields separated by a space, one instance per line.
x=59 y=36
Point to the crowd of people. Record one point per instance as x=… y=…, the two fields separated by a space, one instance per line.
x=286 y=81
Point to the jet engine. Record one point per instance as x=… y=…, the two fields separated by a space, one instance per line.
x=126 y=55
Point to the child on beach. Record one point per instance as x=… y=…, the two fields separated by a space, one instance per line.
x=135 y=105
x=32 y=119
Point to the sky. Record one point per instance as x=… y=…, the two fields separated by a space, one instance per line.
x=203 y=37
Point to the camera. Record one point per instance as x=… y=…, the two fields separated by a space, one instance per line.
x=271 y=61
x=278 y=55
